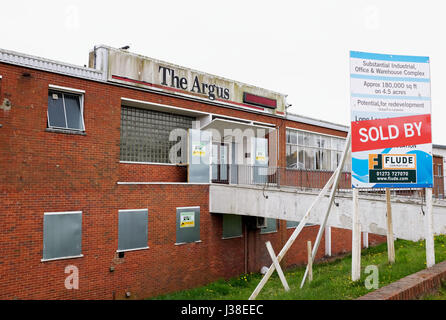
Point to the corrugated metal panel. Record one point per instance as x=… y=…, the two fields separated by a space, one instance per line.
x=39 y=63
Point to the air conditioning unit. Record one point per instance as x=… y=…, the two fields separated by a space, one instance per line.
x=261 y=222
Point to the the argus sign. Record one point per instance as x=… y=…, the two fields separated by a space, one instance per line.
x=390 y=121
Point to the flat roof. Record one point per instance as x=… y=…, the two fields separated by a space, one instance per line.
x=40 y=63
x=316 y=122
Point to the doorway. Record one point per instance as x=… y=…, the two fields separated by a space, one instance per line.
x=220 y=163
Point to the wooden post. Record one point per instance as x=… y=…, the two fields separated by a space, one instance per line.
x=333 y=181
x=337 y=174
x=430 y=248
x=365 y=239
x=390 y=240
x=310 y=262
x=292 y=238
x=356 y=238
x=328 y=241
x=277 y=266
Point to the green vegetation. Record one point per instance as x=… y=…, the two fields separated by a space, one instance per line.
x=331 y=280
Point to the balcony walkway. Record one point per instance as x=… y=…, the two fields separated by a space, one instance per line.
x=291 y=203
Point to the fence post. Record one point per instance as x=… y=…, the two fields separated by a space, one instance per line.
x=390 y=241
x=310 y=261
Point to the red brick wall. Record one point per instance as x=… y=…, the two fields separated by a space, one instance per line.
x=416 y=285
x=48 y=172
x=438 y=188
x=129 y=172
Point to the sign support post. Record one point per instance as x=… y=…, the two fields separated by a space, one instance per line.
x=356 y=238
x=430 y=249
x=390 y=240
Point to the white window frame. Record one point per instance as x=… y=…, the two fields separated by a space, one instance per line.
x=78 y=92
x=332 y=151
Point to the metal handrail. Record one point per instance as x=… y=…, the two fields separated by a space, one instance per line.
x=305 y=179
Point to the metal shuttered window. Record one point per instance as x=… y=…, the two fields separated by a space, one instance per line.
x=62 y=235
x=187 y=225
x=232 y=226
x=132 y=229
x=292 y=224
x=271 y=226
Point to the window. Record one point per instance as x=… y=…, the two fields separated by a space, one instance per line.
x=145 y=135
x=291 y=224
x=308 y=150
x=188 y=225
x=65 y=110
x=294 y=224
x=232 y=226
x=271 y=226
x=62 y=235
x=132 y=229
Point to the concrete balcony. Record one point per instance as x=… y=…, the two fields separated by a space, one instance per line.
x=287 y=194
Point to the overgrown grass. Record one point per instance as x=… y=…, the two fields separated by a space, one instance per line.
x=331 y=280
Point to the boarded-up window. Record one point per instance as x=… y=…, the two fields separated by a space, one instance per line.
x=271 y=226
x=292 y=224
x=132 y=229
x=62 y=235
x=232 y=226
x=188 y=224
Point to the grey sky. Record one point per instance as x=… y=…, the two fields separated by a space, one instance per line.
x=300 y=48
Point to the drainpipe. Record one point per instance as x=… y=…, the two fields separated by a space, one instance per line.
x=246 y=248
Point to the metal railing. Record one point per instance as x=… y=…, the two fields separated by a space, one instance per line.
x=305 y=179
x=279 y=176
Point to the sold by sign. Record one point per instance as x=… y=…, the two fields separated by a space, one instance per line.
x=391 y=132
x=390 y=121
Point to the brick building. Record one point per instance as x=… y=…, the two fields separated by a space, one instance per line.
x=98 y=173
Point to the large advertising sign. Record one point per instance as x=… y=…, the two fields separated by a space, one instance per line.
x=143 y=72
x=390 y=121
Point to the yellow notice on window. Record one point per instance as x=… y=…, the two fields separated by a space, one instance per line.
x=198 y=149
x=187 y=219
x=260 y=156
